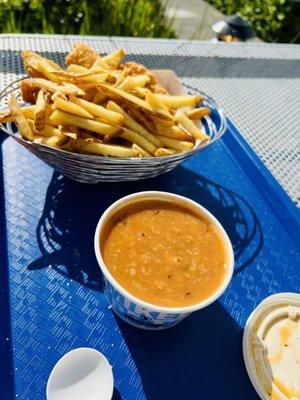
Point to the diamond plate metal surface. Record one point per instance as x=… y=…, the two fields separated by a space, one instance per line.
x=51 y=290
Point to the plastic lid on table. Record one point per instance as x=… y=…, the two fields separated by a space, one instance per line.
x=271 y=347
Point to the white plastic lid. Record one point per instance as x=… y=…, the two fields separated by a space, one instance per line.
x=271 y=347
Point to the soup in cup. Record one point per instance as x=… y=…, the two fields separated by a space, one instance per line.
x=163 y=256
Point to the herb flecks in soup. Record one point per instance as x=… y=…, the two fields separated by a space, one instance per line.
x=164 y=254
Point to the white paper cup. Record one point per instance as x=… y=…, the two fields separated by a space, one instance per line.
x=134 y=310
x=267 y=315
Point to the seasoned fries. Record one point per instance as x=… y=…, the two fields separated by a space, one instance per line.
x=99 y=106
x=40 y=110
x=82 y=55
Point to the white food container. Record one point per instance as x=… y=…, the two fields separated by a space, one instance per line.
x=271 y=347
x=138 y=312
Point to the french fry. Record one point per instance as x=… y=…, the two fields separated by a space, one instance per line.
x=99 y=98
x=121 y=77
x=54 y=87
x=133 y=100
x=28 y=111
x=90 y=94
x=98 y=69
x=133 y=125
x=52 y=141
x=99 y=63
x=63 y=118
x=142 y=152
x=44 y=68
x=142 y=119
x=19 y=118
x=162 y=152
x=80 y=77
x=111 y=60
x=198 y=113
x=154 y=101
x=112 y=150
x=190 y=127
x=49 y=131
x=36 y=65
x=77 y=68
x=93 y=78
x=29 y=91
x=174 y=132
x=55 y=95
x=157 y=104
x=179 y=101
x=40 y=110
x=98 y=111
x=31 y=124
x=141 y=91
x=65 y=76
x=29 y=54
x=70 y=75
x=6 y=115
x=87 y=86
x=72 y=108
x=134 y=137
x=176 y=144
x=131 y=82
x=75 y=90
x=49 y=110
x=163 y=122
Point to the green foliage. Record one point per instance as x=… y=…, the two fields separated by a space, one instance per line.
x=87 y=17
x=273 y=20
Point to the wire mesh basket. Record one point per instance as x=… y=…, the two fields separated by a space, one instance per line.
x=93 y=169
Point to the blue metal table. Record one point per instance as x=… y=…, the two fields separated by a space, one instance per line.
x=51 y=289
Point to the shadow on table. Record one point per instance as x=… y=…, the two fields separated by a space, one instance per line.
x=6 y=356
x=66 y=228
x=201 y=358
x=116 y=394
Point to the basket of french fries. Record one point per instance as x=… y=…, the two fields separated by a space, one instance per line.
x=102 y=119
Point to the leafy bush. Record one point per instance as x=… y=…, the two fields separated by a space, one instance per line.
x=273 y=20
x=86 y=17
